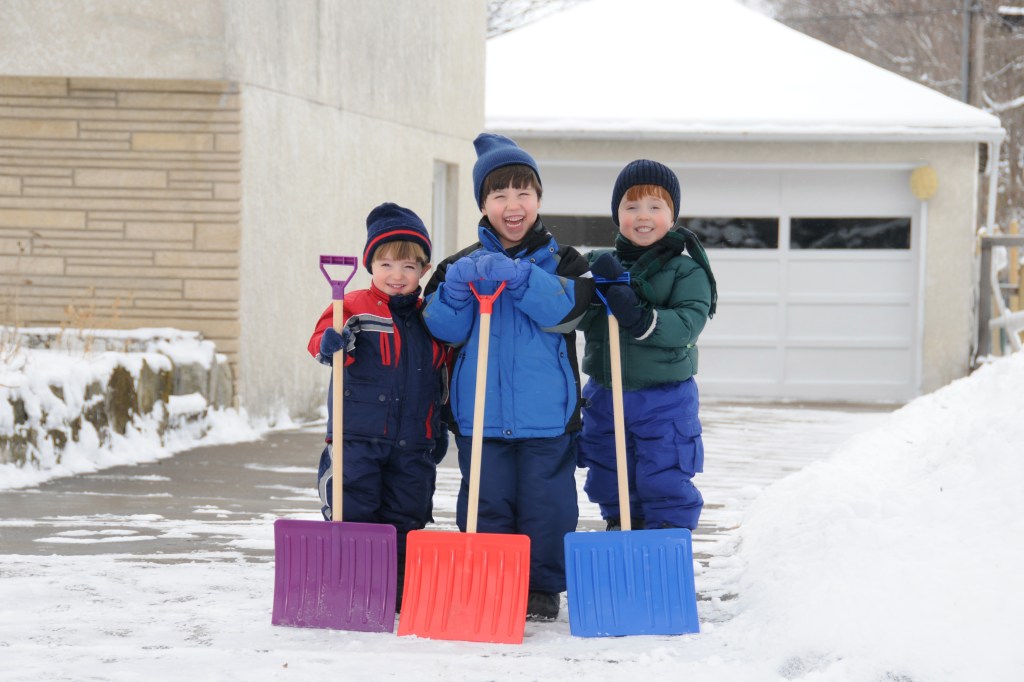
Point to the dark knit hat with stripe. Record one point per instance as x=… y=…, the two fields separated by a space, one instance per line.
x=645 y=172
x=493 y=152
x=393 y=223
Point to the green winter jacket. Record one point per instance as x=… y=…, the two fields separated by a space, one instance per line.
x=681 y=294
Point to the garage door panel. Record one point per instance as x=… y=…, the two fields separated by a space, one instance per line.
x=851 y=323
x=740 y=364
x=858 y=277
x=850 y=365
x=739 y=320
x=747 y=277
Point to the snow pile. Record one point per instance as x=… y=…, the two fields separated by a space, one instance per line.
x=53 y=385
x=899 y=558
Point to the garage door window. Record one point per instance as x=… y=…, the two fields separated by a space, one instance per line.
x=849 y=233
x=736 y=233
x=579 y=230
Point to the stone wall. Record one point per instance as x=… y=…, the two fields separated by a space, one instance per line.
x=64 y=388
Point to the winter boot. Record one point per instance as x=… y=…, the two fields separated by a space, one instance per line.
x=615 y=524
x=542 y=606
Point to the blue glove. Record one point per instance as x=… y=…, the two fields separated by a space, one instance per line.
x=625 y=305
x=497 y=267
x=607 y=267
x=457 y=279
x=331 y=342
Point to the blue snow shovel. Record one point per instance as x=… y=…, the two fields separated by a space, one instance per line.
x=633 y=582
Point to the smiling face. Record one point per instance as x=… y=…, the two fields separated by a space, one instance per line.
x=398 y=268
x=645 y=214
x=512 y=212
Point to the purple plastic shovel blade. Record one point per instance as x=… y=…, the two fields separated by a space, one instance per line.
x=334 y=575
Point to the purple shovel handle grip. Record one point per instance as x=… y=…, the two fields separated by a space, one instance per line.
x=338 y=285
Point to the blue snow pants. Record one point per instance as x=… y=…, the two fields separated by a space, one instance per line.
x=663 y=452
x=383 y=484
x=527 y=487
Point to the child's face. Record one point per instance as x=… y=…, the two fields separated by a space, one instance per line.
x=512 y=212
x=396 y=276
x=645 y=220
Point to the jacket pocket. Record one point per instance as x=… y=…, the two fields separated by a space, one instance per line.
x=367 y=410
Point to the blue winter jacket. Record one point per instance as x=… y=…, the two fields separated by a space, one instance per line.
x=533 y=381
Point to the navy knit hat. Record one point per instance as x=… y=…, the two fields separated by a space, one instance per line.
x=392 y=223
x=493 y=152
x=645 y=172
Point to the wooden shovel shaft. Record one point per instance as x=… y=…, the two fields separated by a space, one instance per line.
x=478 y=421
x=618 y=413
x=338 y=395
x=477 y=450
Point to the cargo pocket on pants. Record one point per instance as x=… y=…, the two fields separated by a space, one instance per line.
x=690 y=445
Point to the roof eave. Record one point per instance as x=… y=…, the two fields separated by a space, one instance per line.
x=782 y=134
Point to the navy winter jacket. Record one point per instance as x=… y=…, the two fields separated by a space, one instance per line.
x=395 y=379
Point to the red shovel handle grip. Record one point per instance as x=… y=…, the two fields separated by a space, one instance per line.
x=487 y=300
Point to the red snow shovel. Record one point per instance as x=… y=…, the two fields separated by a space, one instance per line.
x=470 y=586
x=633 y=582
x=335 y=574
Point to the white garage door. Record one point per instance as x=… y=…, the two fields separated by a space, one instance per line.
x=818 y=285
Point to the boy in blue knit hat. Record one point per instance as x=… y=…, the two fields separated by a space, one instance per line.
x=661 y=312
x=395 y=384
x=532 y=412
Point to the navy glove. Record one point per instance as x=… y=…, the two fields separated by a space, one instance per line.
x=331 y=342
x=607 y=267
x=441 y=443
x=497 y=267
x=457 y=279
x=625 y=305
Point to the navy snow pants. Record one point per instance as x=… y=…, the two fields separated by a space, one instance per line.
x=383 y=484
x=663 y=452
x=527 y=487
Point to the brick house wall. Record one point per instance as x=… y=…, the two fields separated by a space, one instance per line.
x=120 y=205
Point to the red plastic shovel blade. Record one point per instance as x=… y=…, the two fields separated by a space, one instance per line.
x=470 y=587
x=631 y=583
x=334 y=575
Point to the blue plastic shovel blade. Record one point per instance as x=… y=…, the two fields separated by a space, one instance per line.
x=631 y=583
x=334 y=575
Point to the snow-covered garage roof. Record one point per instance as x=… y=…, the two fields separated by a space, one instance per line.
x=685 y=69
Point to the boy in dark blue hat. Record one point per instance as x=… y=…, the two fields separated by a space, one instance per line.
x=661 y=312
x=532 y=412
x=395 y=384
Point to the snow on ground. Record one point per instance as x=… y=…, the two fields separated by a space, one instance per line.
x=897 y=559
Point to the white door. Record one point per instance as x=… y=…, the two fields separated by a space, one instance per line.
x=822 y=303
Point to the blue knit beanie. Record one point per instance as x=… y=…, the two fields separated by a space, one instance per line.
x=645 y=172
x=493 y=152
x=392 y=223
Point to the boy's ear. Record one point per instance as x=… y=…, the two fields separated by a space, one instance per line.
x=426 y=269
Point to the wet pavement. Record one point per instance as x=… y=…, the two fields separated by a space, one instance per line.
x=223 y=499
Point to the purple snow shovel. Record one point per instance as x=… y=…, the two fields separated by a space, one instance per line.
x=633 y=582
x=335 y=574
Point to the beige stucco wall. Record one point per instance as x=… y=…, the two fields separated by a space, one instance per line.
x=950 y=277
x=345 y=104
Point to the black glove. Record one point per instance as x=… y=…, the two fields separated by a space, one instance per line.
x=607 y=267
x=331 y=342
x=625 y=305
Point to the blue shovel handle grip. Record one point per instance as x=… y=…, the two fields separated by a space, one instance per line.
x=621 y=279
